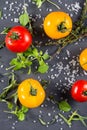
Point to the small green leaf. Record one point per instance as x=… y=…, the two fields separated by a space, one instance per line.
x=10 y=105
x=21 y=116
x=43 y=68
x=24 y=19
x=45 y=56
x=64 y=106
x=24 y=109
x=35 y=52
x=38 y=2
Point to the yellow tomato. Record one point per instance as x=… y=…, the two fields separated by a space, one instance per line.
x=83 y=59
x=30 y=93
x=57 y=25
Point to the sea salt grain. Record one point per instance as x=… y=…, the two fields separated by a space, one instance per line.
x=49 y=114
x=2 y=66
x=2 y=80
x=6 y=2
x=34 y=121
x=75 y=7
x=16 y=20
x=13 y=127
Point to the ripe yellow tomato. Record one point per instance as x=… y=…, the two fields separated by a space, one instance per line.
x=57 y=25
x=30 y=93
x=83 y=59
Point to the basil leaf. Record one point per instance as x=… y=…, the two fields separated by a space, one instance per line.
x=64 y=106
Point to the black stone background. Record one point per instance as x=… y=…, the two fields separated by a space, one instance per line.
x=6 y=56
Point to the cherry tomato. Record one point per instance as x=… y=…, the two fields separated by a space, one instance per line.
x=83 y=59
x=18 y=39
x=79 y=91
x=30 y=93
x=57 y=25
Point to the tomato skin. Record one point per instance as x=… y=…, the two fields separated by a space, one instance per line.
x=26 y=98
x=52 y=22
x=22 y=42
x=79 y=91
x=83 y=59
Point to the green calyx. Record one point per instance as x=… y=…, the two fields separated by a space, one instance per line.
x=85 y=93
x=33 y=91
x=14 y=36
x=61 y=27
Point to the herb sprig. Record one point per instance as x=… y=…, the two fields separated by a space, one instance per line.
x=64 y=106
x=24 y=19
x=74 y=117
x=40 y=2
x=9 y=96
x=26 y=60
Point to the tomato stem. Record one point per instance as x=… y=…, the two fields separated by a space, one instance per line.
x=14 y=36
x=33 y=91
x=61 y=27
x=85 y=93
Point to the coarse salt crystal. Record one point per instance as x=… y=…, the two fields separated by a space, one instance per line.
x=49 y=114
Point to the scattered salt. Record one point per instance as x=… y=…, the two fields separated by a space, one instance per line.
x=49 y=114
x=70 y=75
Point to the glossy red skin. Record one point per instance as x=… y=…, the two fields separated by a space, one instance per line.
x=22 y=43
x=77 y=90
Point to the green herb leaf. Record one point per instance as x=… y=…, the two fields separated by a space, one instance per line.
x=35 y=52
x=21 y=116
x=45 y=56
x=64 y=106
x=24 y=19
x=24 y=109
x=39 y=2
x=43 y=68
x=25 y=60
x=10 y=105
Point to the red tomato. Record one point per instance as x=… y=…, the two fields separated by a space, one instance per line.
x=18 y=39
x=79 y=91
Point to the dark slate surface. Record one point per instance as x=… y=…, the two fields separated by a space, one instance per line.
x=64 y=68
